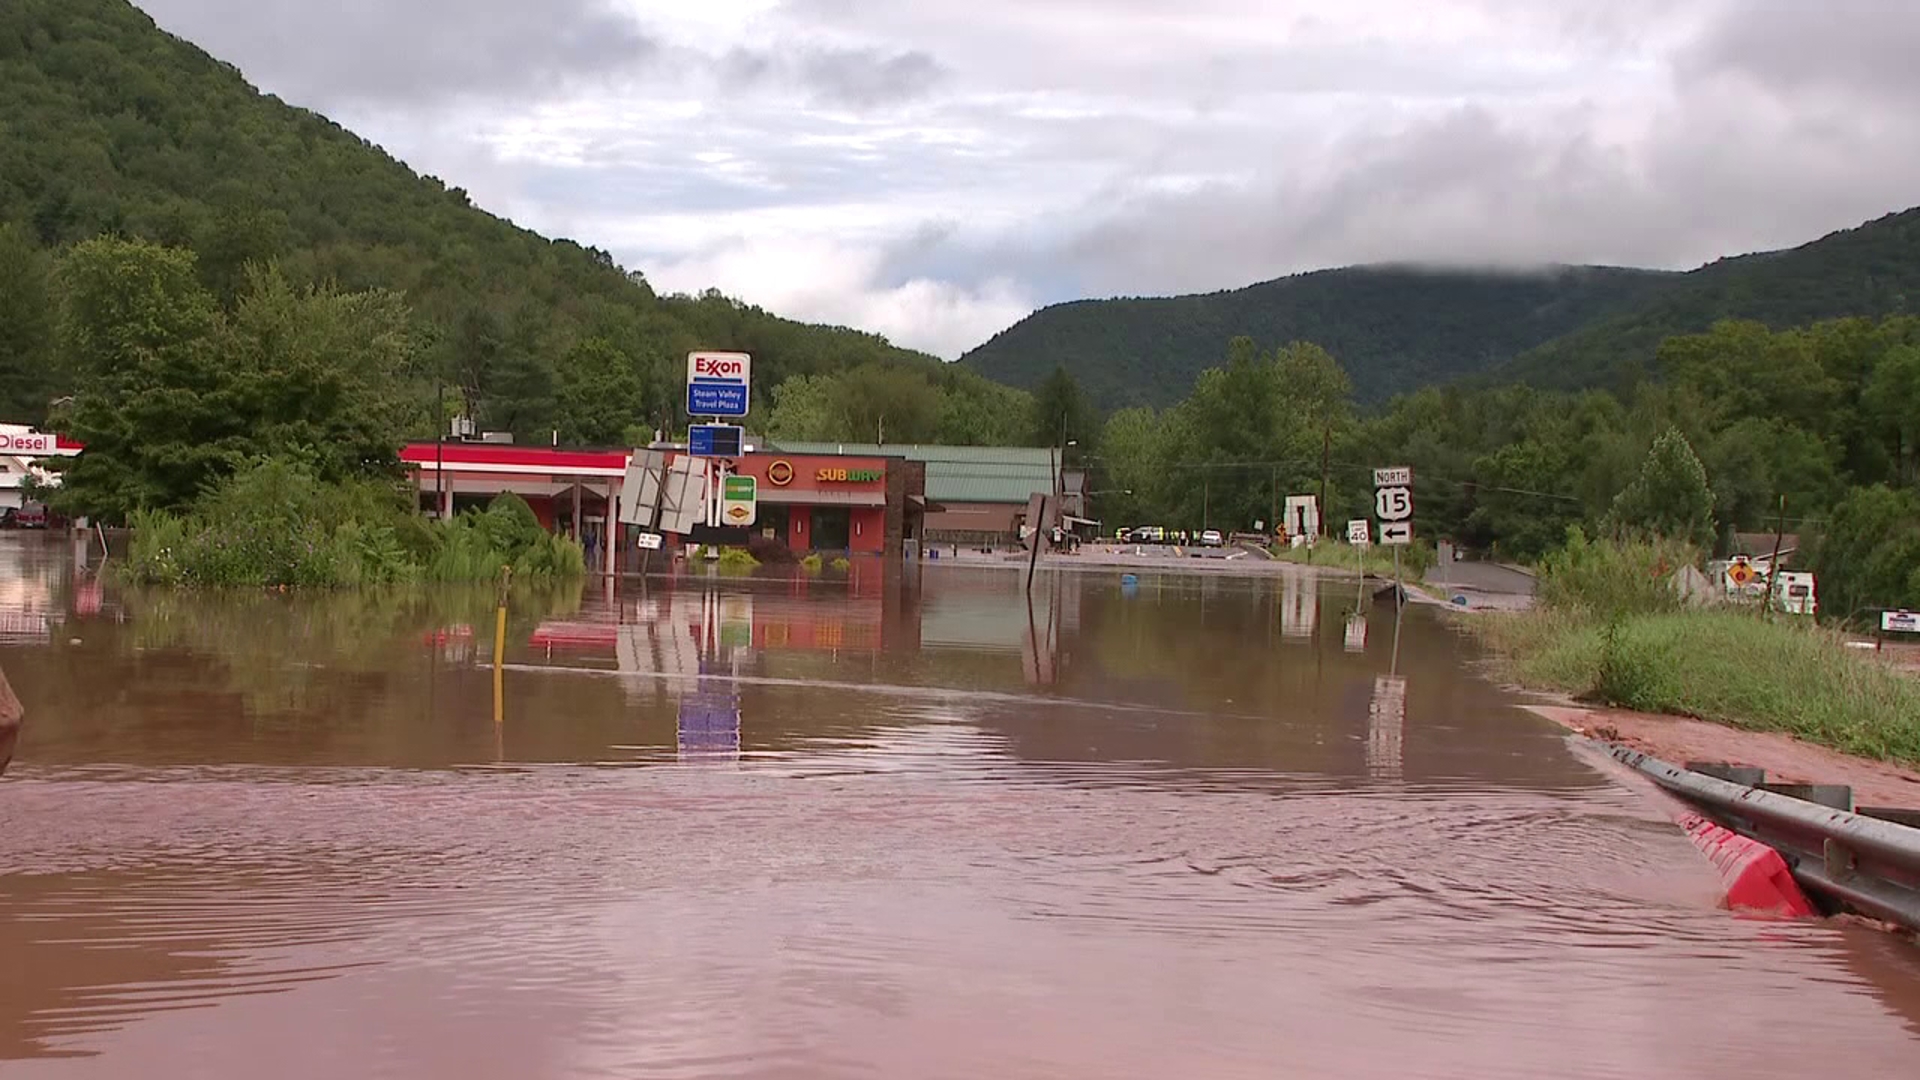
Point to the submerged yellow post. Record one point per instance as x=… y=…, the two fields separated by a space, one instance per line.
x=500 y=646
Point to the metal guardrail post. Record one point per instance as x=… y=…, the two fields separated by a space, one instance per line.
x=1849 y=861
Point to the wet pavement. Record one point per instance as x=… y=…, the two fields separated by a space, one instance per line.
x=907 y=824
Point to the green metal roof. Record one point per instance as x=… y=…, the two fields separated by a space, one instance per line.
x=957 y=474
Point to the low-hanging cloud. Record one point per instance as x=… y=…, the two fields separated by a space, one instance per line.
x=932 y=169
x=413 y=52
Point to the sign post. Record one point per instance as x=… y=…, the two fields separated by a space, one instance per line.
x=1393 y=505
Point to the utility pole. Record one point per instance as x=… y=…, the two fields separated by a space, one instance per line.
x=439 y=450
x=1273 y=506
x=1326 y=466
x=1773 y=564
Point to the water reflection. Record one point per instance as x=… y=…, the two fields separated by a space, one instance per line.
x=1172 y=826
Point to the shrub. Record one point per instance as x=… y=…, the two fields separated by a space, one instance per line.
x=737 y=561
x=841 y=565
x=1612 y=578
x=813 y=563
x=274 y=523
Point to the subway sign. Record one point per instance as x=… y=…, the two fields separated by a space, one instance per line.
x=847 y=476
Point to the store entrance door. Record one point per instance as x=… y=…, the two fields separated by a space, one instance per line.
x=832 y=528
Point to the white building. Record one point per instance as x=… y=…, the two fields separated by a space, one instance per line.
x=22 y=450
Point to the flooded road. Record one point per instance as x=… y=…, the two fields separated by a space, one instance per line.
x=904 y=825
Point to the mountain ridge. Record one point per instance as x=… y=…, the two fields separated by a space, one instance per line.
x=1399 y=326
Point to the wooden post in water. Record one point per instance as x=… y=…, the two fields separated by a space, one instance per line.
x=10 y=714
x=500 y=647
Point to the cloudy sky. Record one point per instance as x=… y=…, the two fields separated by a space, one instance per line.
x=935 y=169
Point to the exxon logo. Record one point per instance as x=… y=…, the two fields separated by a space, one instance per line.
x=719 y=367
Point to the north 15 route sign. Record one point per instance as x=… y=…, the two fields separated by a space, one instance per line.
x=1393 y=505
x=717 y=383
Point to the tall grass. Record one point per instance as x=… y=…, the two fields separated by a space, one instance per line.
x=1415 y=558
x=275 y=524
x=1611 y=630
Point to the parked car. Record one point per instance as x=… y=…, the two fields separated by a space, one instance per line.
x=1212 y=538
x=31 y=516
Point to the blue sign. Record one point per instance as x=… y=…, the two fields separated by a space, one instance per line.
x=714 y=440
x=716 y=397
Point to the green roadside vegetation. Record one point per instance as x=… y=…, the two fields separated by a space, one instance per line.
x=1611 y=629
x=1415 y=558
x=276 y=524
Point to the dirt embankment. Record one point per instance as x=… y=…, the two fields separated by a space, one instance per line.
x=1678 y=740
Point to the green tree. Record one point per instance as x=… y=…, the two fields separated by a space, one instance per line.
x=804 y=408
x=1892 y=400
x=154 y=401
x=881 y=403
x=322 y=376
x=1670 y=498
x=601 y=394
x=1868 y=557
x=27 y=379
x=1060 y=412
x=976 y=412
x=1132 y=469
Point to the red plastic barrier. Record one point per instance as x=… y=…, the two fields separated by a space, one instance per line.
x=1755 y=876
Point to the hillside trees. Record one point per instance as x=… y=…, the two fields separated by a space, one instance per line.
x=171 y=393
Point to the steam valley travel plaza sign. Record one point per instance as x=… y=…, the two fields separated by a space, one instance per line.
x=717 y=383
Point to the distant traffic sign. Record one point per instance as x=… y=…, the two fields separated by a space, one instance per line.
x=1900 y=622
x=1359 y=532
x=717 y=383
x=1393 y=505
x=650 y=541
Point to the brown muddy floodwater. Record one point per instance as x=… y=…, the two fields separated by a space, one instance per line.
x=899 y=826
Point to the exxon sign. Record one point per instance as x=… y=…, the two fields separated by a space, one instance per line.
x=717 y=383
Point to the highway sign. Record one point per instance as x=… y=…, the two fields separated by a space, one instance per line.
x=1900 y=622
x=1399 y=476
x=1396 y=533
x=1359 y=532
x=1393 y=504
x=737 y=501
x=717 y=383
x=714 y=440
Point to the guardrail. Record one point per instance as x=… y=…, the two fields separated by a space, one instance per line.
x=1862 y=860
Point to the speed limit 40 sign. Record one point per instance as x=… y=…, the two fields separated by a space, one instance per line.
x=1393 y=504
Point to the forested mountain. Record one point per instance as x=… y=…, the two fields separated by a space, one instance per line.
x=1393 y=328
x=108 y=125
x=1872 y=270
x=1396 y=330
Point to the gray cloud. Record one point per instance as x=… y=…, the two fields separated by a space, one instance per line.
x=855 y=78
x=411 y=51
x=1862 y=49
x=936 y=165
